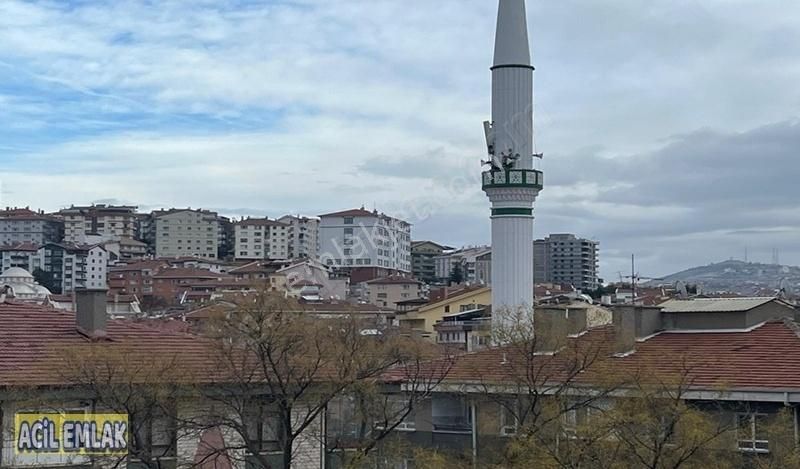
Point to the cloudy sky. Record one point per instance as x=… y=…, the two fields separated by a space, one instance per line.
x=670 y=127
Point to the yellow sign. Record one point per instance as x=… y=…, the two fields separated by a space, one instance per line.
x=71 y=433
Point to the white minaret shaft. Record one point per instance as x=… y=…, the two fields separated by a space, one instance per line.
x=511 y=183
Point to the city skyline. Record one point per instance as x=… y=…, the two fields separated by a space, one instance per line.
x=639 y=111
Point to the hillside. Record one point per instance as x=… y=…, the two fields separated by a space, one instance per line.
x=741 y=277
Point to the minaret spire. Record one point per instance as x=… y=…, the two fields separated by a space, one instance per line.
x=511 y=183
x=511 y=42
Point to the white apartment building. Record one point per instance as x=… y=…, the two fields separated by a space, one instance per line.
x=22 y=255
x=71 y=266
x=186 y=232
x=103 y=222
x=475 y=264
x=360 y=238
x=304 y=242
x=261 y=238
x=23 y=225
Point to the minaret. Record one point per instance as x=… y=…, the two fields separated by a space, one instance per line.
x=511 y=183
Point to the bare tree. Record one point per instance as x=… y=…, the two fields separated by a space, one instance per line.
x=282 y=368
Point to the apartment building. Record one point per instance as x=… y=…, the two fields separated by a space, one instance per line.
x=388 y=291
x=261 y=238
x=423 y=263
x=71 y=266
x=98 y=223
x=474 y=263
x=360 y=238
x=186 y=232
x=566 y=259
x=304 y=232
x=23 y=225
x=22 y=255
x=135 y=278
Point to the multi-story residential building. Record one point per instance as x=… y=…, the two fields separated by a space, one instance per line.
x=388 y=291
x=23 y=225
x=261 y=238
x=423 y=263
x=423 y=319
x=473 y=262
x=566 y=259
x=101 y=222
x=304 y=243
x=360 y=238
x=71 y=266
x=135 y=278
x=22 y=255
x=225 y=242
x=186 y=232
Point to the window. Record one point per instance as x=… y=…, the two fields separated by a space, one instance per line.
x=451 y=414
x=348 y=221
x=508 y=418
x=348 y=231
x=396 y=407
x=263 y=425
x=750 y=433
x=155 y=435
x=342 y=420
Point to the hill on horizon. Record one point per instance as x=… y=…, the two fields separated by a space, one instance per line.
x=746 y=278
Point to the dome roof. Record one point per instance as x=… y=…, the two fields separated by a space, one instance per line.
x=16 y=273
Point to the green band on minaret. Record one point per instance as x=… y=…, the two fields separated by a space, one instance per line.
x=512 y=211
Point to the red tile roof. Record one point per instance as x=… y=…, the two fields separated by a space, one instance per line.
x=356 y=212
x=188 y=273
x=394 y=280
x=260 y=222
x=29 y=247
x=33 y=341
x=763 y=358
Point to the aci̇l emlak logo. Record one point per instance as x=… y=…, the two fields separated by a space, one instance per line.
x=71 y=433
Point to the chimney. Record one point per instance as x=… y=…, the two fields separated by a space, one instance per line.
x=632 y=323
x=90 y=312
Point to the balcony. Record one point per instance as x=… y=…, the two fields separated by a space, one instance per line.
x=513 y=178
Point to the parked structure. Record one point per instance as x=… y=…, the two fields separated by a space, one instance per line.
x=187 y=232
x=567 y=259
x=360 y=238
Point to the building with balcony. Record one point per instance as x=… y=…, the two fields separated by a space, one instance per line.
x=98 y=223
x=303 y=236
x=70 y=266
x=23 y=225
x=566 y=259
x=261 y=238
x=423 y=260
x=359 y=238
x=474 y=263
x=187 y=232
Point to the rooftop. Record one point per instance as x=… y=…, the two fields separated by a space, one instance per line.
x=33 y=340
x=714 y=305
